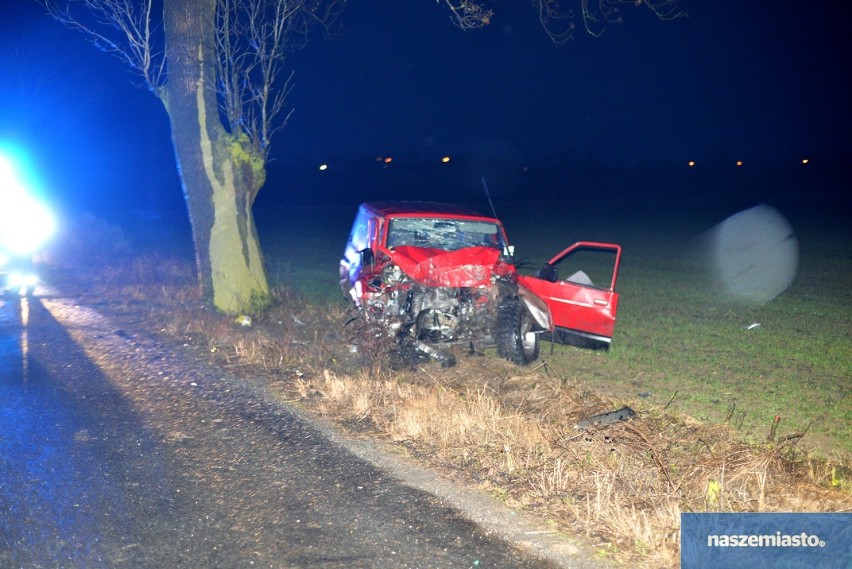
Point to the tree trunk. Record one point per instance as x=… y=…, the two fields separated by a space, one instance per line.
x=219 y=172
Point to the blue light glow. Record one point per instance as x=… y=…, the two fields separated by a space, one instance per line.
x=25 y=223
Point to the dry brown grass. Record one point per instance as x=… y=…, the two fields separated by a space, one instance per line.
x=507 y=429
x=624 y=485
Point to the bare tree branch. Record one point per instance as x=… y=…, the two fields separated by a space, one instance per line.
x=558 y=22
x=253 y=38
x=120 y=27
x=468 y=15
x=663 y=9
x=599 y=14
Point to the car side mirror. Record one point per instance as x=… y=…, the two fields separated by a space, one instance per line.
x=367 y=257
x=548 y=273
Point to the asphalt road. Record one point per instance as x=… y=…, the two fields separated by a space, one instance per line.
x=118 y=452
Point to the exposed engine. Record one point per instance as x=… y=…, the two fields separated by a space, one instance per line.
x=431 y=314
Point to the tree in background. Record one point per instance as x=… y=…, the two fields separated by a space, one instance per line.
x=218 y=68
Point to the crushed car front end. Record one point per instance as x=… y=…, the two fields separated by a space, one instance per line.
x=428 y=273
x=434 y=314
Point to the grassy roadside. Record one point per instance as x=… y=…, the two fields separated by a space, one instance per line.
x=511 y=430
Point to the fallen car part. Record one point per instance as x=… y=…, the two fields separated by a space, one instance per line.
x=606 y=419
x=444 y=357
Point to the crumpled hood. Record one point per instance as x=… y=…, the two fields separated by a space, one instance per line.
x=469 y=267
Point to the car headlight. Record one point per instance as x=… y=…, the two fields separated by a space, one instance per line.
x=26 y=226
x=22 y=281
x=25 y=223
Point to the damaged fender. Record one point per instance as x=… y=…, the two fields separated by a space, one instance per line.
x=537 y=308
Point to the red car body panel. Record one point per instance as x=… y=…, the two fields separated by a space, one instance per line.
x=575 y=307
x=469 y=267
x=578 y=307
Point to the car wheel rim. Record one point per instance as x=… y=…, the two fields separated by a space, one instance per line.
x=528 y=342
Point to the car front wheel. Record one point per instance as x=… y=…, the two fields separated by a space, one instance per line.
x=516 y=340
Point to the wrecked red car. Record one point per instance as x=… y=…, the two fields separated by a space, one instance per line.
x=431 y=274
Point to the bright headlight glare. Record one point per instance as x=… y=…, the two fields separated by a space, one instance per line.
x=22 y=280
x=25 y=225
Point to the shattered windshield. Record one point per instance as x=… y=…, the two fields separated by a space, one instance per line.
x=446 y=234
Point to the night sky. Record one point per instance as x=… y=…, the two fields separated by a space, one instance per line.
x=740 y=80
x=733 y=76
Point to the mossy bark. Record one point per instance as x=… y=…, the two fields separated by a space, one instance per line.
x=221 y=174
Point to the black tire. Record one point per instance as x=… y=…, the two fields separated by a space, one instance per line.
x=516 y=340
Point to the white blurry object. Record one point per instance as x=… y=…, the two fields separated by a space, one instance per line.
x=755 y=254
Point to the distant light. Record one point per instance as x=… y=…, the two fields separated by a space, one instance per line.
x=805 y=160
x=691 y=163
x=388 y=160
x=739 y=162
x=323 y=167
x=445 y=159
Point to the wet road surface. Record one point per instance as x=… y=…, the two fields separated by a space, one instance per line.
x=115 y=452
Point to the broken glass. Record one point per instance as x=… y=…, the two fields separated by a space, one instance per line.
x=444 y=234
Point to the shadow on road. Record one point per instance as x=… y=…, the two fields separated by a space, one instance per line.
x=70 y=448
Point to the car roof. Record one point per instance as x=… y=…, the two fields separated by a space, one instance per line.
x=418 y=208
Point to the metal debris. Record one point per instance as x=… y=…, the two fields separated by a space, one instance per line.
x=607 y=419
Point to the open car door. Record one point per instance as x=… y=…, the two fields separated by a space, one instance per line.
x=578 y=286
